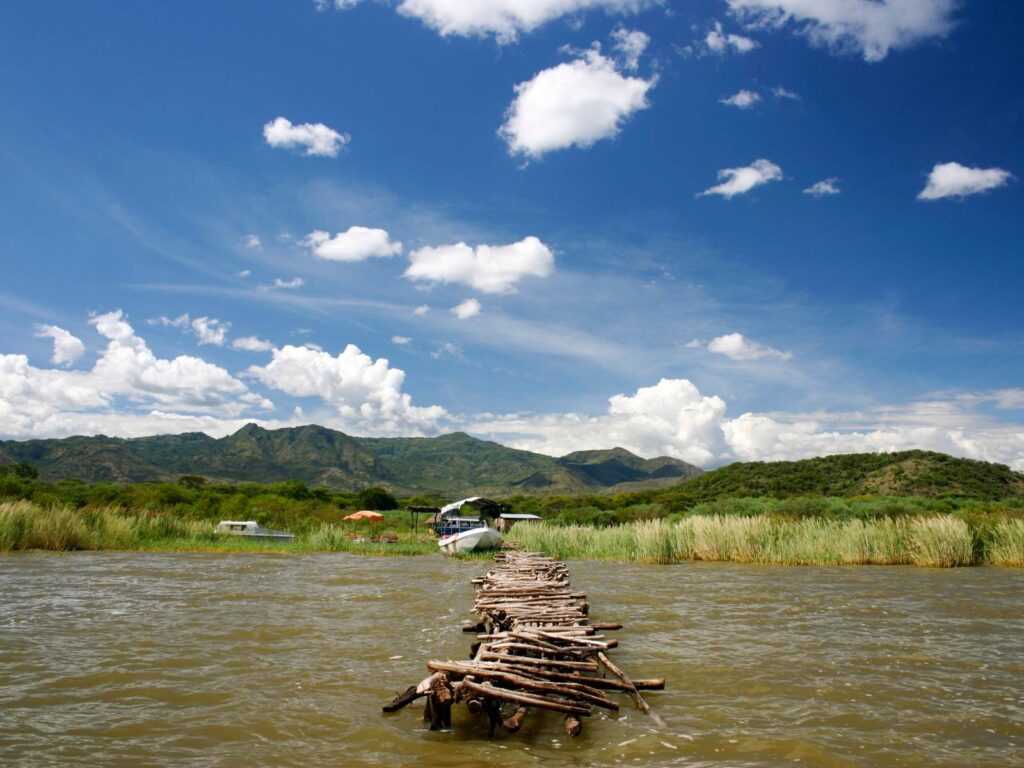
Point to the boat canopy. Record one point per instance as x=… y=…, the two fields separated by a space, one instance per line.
x=485 y=507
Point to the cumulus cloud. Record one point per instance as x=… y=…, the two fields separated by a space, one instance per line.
x=870 y=28
x=738 y=181
x=823 y=188
x=354 y=244
x=737 y=347
x=251 y=344
x=505 y=20
x=466 y=309
x=253 y=242
x=673 y=418
x=365 y=394
x=67 y=347
x=313 y=138
x=576 y=103
x=209 y=330
x=630 y=44
x=717 y=42
x=127 y=384
x=955 y=180
x=487 y=268
x=743 y=99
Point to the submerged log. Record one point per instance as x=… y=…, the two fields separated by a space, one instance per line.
x=633 y=692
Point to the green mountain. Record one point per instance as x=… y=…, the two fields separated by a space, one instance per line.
x=906 y=473
x=449 y=465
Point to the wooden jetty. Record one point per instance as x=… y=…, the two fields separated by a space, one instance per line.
x=535 y=649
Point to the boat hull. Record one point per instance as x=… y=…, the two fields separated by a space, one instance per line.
x=473 y=540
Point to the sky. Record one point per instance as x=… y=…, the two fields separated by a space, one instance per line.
x=717 y=230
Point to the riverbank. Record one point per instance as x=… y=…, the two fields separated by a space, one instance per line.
x=930 y=541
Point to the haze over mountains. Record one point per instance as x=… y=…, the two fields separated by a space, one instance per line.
x=450 y=465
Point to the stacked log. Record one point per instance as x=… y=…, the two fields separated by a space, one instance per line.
x=535 y=649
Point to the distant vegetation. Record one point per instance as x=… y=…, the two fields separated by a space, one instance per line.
x=455 y=464
x=841 y=502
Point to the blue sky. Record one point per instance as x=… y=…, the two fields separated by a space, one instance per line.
x=617 y=282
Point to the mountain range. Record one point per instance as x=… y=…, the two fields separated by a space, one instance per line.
x=450 y=465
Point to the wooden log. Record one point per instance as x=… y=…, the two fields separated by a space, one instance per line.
x=539 y=702
x=606 y=625
x=573 y=725
x=515 y=722
x=587 y=665
x=642 y=705
x=413 y=692
x=567 y=689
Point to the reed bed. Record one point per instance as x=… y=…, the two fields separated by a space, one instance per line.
x=25 y=526
x=938 y=541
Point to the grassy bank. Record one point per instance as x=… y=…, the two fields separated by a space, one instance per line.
x=925 y=540
x=24 y=526
x=936 y=541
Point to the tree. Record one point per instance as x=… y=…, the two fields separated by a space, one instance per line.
x=192 y=481
x=377 y=499
x=25 y=472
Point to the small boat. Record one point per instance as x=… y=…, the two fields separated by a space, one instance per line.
x=470 y=540
x=249 y=529
x=467 y=534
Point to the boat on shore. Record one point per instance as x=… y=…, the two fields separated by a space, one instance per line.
x=460 y=534
x=250 y=529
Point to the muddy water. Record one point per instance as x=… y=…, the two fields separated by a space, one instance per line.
x=122 y=659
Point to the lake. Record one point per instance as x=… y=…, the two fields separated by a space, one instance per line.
x=129 y=659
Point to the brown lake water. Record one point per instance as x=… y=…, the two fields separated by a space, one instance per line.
x=127 y=659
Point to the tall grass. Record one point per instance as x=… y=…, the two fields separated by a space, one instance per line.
x=937 y=541
x=24 y=525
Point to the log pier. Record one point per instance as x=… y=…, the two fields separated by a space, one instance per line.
x=535 y=649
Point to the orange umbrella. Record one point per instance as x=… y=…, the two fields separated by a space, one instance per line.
x=373 y=517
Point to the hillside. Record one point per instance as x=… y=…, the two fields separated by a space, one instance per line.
x=906 y=473
x=449 y=465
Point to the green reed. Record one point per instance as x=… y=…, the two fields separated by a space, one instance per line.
x=935 y=541
x=24 y=525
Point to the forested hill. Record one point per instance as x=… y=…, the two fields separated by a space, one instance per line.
x=448 y=466
x=906 y=473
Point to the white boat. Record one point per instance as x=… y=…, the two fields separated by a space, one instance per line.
x=251 y=530
x=470 y=540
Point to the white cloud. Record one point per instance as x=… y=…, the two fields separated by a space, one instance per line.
x=467 y=309
x=718 y=43
x=119 y=394
x=870 y=28
x=354 y=244
x=67 y=347
x=695 y=344
x=780 y=92
x=315 y=138
x=243 y=273
x=253 y=242
x=210 y=330
x=401 y=340
x=422 y=309
x=576 y=103
x=955 y=180
x=630 y=44
x=251 y=344
x=281 y=284
x=504 y=19
x=673 y=418
x=366 y=394
x=487 y=268
x=736 y=346
x=454 y=350
x=823 y=188
x=738 y=181
x=743 y=99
